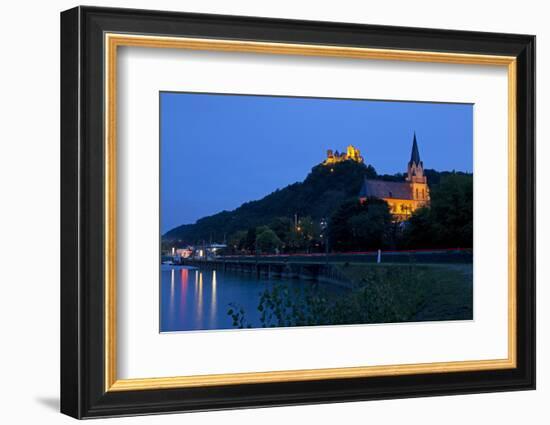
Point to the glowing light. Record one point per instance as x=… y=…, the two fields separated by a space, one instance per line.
x=213 y=302
x=172 y=280
x=199 y=304
x=184 y=252
x=184 y=276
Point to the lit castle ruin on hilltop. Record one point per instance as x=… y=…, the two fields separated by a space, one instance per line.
x=352 y=154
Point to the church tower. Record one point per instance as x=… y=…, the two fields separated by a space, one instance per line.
x=403 y=197
x=415 y=168
x=416 y=177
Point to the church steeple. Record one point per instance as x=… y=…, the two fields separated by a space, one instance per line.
x=415 y=167
x=415 y=156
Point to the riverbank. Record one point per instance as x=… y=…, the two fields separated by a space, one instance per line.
x=442 y=291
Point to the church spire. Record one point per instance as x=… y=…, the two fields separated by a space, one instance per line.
x=415 y=156
x=415 y=167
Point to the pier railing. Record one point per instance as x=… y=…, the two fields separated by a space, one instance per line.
x=275 y=268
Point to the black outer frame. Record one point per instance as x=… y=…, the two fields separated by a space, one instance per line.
x=82 y=218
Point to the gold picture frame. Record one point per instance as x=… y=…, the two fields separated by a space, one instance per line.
x=114 y=41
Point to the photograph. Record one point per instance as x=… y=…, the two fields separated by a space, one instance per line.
x=280 y=211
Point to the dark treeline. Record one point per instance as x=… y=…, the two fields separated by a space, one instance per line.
x=303 y=216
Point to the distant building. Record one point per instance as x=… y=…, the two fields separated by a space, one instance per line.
x=207 y=251
x=184 y=252
x=402 y=197
x=352 y=154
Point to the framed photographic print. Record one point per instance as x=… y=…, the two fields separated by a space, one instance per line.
x=261 y=212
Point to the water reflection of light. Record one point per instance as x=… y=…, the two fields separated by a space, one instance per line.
x=213 y=300
x=196 y=294
x=172 y=285
x=199 y=304
x=184 y=276
x=184 y=281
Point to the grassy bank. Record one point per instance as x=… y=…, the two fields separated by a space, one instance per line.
x=417 y=292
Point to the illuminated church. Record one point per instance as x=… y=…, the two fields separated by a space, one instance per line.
x=402 y=197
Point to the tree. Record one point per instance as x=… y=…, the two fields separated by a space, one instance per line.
x=281 y=226
x=452 y=209
x=420 y=230
x=237 y=241
x=267 y=241
x=360 y=225
x=448 y=222
x=372 y=229
x=250 y=242
x=304 y=235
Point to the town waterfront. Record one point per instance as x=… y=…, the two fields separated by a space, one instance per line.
x=194 y=299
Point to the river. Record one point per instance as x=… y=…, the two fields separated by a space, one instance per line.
x=193 y=299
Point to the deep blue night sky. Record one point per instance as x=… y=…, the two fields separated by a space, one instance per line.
x=218 y=151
